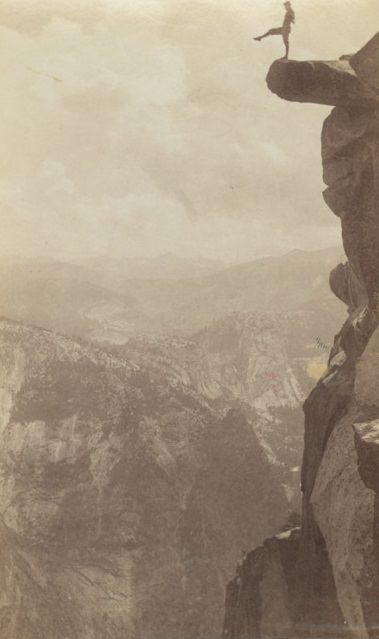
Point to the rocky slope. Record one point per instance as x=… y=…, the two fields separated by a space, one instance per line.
x=121 y=495
x=323 y=580
x=264 y=363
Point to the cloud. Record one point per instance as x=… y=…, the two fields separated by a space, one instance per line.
x=161 y=134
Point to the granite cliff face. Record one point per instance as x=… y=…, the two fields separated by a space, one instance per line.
x=323 y=580
x=263 y=363
x=121 y=493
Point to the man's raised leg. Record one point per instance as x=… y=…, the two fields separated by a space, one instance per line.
x=271 y=32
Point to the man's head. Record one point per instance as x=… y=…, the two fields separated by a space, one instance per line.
x=287 y=5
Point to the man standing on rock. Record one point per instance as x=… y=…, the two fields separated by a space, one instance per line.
x=284 y=30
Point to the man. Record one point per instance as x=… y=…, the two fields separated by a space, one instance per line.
x=284 y=30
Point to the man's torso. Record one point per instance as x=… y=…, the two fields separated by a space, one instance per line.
x=288 y=19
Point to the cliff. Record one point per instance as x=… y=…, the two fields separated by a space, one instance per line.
x=323 y=580
x=264 y=363
x=121 y=494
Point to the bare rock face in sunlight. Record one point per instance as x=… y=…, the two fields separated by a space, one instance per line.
x=118 y=519
x=334 y=587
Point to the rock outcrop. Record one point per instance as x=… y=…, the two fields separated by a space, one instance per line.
x=329 y=83
x=329 y=584
x=264 y=580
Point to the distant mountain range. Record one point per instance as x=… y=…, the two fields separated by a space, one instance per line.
x=112 y=300
x=162 y=267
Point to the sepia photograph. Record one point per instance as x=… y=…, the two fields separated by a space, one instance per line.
x=189 y=319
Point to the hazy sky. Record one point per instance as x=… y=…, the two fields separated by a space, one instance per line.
x=135 y=127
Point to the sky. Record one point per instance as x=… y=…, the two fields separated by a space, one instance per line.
x=142 y=127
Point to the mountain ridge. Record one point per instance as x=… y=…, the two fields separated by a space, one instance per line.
x=73 y=302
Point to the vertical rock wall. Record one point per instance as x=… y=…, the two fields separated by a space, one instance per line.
x=323 y=581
